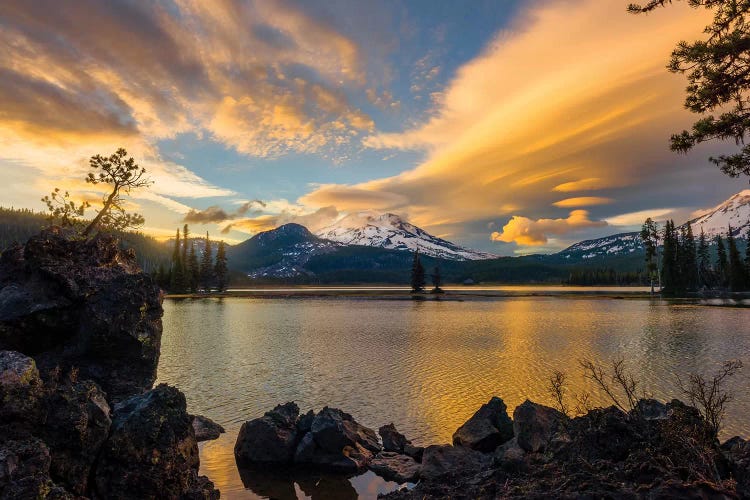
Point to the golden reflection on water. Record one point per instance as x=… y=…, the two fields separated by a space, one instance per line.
x=426 y=366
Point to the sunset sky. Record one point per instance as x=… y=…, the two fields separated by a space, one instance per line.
x=511 y=126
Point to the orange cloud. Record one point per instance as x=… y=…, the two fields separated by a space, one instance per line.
x=527 y=232
x=583 y=201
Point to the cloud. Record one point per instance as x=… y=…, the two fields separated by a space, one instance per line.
x=527 y=232
x=637 y=218
x=583 y=201
x=520 y=122
x=211 y=214
x=312 y=221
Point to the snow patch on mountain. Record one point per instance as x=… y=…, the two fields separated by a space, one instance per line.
x=391 y=232
x=734 y=212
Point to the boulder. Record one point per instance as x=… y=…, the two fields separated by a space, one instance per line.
x=392 y=439
x=737 y=450
x=152 y=451
x=535 y=425
x=77 y=425
x=206 y=429
x=651 y=409
x=272 y=438
x=333 y=430
x=395 y=467
x=84 y=304
x=21 y=389
x=414 y=452
x=446 y=460
x=487 y=429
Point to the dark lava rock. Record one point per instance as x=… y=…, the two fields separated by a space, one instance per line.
x=651 y=409
x=21 y=389
x=535 y=425
x=206 y=429
x=333 y=430
x=84 y=304
x=392 y=439
x=439 y=461
x=395 y=467
x=738 y=452
x=487 y=429
x=414 y=452
x=269 y=439
x=152 y=451
x=77 y=425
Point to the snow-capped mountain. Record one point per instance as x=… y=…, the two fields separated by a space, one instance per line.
x=391 y=232
x=618 y=244
x=734 y=212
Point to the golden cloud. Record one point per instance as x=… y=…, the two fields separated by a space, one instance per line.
x=583 y=201
x=527 y=232
x=523 y=121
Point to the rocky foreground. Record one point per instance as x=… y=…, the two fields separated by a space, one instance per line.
x=80 y=332
x=657 y=450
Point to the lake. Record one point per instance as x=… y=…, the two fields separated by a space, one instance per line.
x=424 y=365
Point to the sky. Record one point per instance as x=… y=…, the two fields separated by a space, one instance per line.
x=510 y=126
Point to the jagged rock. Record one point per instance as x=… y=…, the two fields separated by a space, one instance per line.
x=414 y=452
x=535 y=425
x=152 y=451
x=333 y=430
x=447 y=460
x=206 y=429
x=395 y=467
x=304 y=423
x=738 y=452
x=84 y=304
x=25 y=471
x=651 y=409
x=77 y=425
x=271 y=438
x=20 y=389
x=487 y=429
x=392 y=439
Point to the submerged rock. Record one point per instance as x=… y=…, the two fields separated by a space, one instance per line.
x=535 y=425
x=83 y=304
x=395 y=467
x=487 y=429
x=152 y=451
x=206 y=429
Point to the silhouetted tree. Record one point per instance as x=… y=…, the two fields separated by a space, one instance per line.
x=63 y=210
x=185 y=243
x=207 y=268
x=417 y=274
x=436 y=280
x=688 y=258
x=736 y=266
x=717 y=69
x=650 y=237
x=704 y=261
x=670 y=266
x=747 y=258
x=123 y=174
x=220 y=269
x=177 y=276
x=722 y=263
x=193 y=269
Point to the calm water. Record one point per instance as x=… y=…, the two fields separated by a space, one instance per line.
x=424 y=365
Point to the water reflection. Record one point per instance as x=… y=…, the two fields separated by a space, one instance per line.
x=426 y=366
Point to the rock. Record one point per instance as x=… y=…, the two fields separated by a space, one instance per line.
x=77 y=425
x=271 y=438
x=535 y=425
x=487 y=429
x=304 y=424
x=349 y=459
x=395 y=467
x=84 y=304
x=20 y=389
x=737 y=450
x=333 y=430
x=651 y=409
x=414 y=452
x=510 y=456
x=392 y=439
x=152 y=451
x=447 y=460
x=206 y=429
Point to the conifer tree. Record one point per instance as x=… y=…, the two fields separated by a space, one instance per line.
x=177 y=281
x=436 y=280
x=185 y=243
x=220 y=269
x=193 y=269
x=689 y=258
x=704 y=261
x=736 y=266
x=670 y=265
x=417 y=274
x=722 y=263
x=207 y=271
x=650 y=237
x=747 y=258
